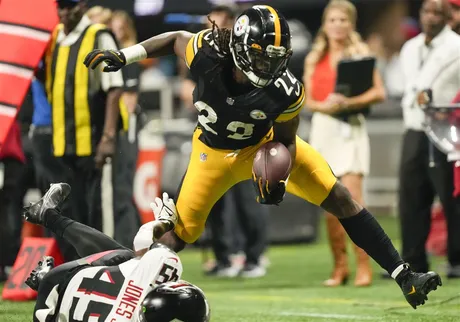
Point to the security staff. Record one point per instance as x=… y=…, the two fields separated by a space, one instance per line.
x=84 y=107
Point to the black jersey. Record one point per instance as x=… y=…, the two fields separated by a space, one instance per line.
x=231 y=118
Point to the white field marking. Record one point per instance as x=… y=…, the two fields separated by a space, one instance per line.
x=330 y=316
x=320 y=300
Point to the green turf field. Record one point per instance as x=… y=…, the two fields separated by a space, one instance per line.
x=292 y=291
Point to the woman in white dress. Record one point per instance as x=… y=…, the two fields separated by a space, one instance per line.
x=343 y=141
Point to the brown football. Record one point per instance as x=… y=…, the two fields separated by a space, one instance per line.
x=273 y=163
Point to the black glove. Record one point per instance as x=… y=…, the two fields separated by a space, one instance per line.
x=266 y=196
x=114 y=59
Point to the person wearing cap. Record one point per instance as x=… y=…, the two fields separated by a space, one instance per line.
x=85 y=111
x=430 y=61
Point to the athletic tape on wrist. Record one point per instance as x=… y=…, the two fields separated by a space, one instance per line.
x=134 y=53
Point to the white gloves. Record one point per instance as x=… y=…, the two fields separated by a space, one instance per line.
x=164 y=210
x=165 y=219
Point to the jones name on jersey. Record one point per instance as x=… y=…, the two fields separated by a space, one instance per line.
x=111 y=293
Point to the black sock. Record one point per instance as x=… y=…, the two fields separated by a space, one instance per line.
x=56 y=223
x=366 y=233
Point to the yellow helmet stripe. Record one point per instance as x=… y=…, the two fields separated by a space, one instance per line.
x=277 y=26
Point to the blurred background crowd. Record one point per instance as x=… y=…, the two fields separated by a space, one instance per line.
x=149 y=149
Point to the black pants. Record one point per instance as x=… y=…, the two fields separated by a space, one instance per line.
x=10 y=215
x=94 y=248
x=419 y=184
x=84 y=203
x=24 y=180
x=126 y=215
x=47 y=167
x=238 y=213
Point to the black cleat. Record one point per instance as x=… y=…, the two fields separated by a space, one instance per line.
x=37 y=275
x=416 y=286
x=35 y=212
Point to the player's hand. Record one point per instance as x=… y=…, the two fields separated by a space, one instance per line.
x=105 y=150
x=267 y=196
x=114 y=59
x=165 y=215
x=164 y=209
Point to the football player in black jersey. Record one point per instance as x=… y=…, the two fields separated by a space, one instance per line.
x=246 y=97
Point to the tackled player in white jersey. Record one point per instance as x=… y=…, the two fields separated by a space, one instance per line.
x=110 y=283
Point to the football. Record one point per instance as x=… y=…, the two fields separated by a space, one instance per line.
x=272 y=162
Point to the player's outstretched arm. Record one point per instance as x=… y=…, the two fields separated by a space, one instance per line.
x=169 y=43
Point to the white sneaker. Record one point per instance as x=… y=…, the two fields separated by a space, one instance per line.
x=230 y=272
x=238 y=260
x=265 y=261
x=222 y=271
x=253 y=271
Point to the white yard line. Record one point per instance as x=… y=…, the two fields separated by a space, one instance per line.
x=330 y=316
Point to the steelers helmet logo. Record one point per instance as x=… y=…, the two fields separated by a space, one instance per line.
x=258 y=115
x=240 y=25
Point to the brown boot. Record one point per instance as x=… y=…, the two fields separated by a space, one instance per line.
x=363 y=268
x=336 y=235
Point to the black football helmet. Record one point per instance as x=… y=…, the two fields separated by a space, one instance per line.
x=260 y=44
x=175 y=300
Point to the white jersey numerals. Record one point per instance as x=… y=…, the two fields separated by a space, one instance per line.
x=205 y=120
x=235 y=125
x=211 y=118
x=289 y=88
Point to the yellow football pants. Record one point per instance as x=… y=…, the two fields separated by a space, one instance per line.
x=211 y=172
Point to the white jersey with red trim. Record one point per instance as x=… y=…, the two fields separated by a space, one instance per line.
x=114 y=293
